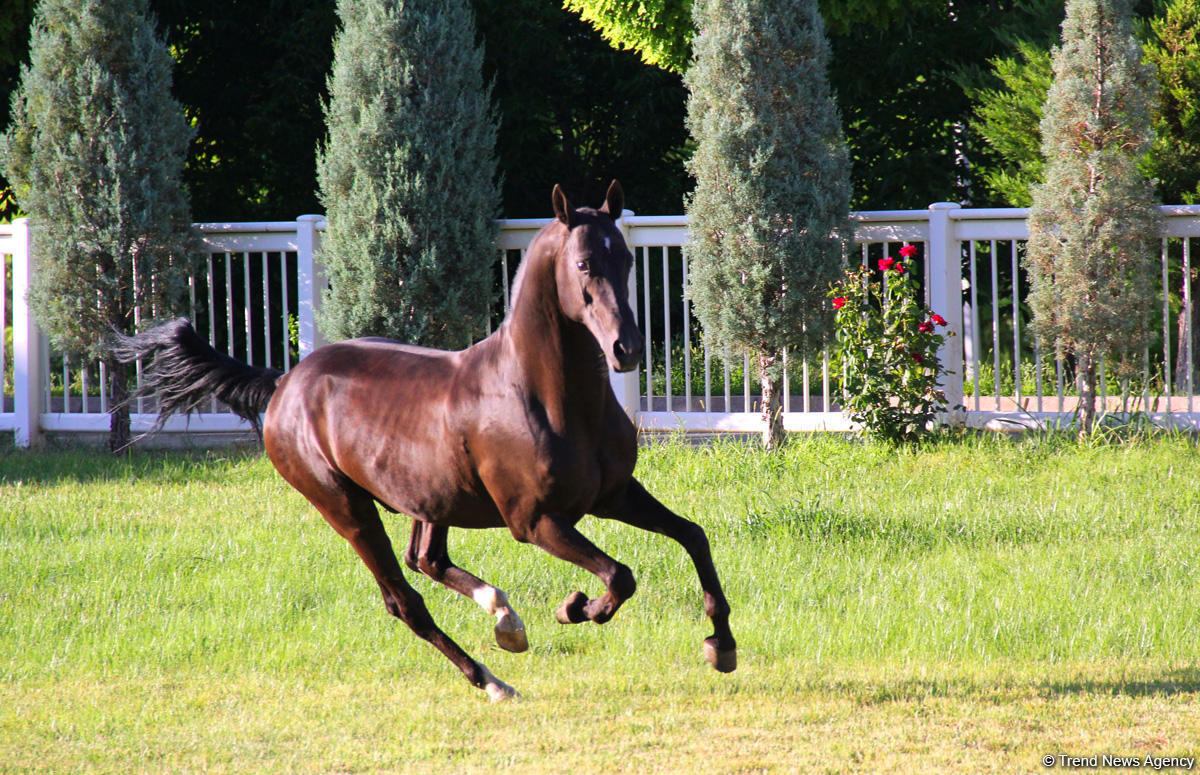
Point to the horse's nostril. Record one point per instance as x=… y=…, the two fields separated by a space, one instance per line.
x=627 y=355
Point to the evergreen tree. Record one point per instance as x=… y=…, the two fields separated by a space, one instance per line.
x=14 y=46
x=407 y=175
x=1007 y=118
x=1173 y=47
x=1007 y=114
x=95 y=152
x=1093 y=225
x=770 y=210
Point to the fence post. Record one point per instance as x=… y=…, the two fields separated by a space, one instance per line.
x=310 y=282
x=627 y=385
x=945 y=299
x=27 y=344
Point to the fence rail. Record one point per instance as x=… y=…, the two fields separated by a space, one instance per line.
x=257 y=291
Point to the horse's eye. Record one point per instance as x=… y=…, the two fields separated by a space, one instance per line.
x=581 y=265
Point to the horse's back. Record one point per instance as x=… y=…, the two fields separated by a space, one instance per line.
x=380 y=370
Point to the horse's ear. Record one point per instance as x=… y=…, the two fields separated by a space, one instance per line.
x=614 y=201
x=563 y=210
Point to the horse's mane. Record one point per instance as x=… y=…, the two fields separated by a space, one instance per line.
x=533 y=254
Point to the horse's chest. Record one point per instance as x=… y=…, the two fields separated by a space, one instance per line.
x=548 y=473
x=580 y=474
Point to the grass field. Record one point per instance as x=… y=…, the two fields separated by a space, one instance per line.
x=974 y=605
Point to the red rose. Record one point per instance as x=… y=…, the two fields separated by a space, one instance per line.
x=908 y=251
x=918 y=357
x=839 y=302
x=939 y=320
x=925 y=327
x=899 y=267
x=886 y=264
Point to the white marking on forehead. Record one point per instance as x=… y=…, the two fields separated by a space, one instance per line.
x=607 y=243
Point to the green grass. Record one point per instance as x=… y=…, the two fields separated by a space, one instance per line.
x=974 y=604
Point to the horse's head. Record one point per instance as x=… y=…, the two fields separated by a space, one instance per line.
x=592 y=273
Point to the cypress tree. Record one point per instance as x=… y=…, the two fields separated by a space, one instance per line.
x=95 y=152
x=1007 y=120
x=1093 y=225
x=769 y=213
x=407 y=175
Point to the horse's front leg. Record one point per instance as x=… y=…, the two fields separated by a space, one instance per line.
x=427 y=553
x=639 y=508
x=559 y=537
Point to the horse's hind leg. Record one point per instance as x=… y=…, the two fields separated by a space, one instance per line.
x=427 y=554
x=639 y=508
x=352 y=513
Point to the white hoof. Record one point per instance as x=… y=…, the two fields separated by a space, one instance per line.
x=510 y=631
x=498 y=691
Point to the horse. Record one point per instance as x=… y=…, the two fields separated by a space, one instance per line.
x=520 y=430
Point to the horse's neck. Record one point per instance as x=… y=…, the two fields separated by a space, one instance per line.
x=559 y=360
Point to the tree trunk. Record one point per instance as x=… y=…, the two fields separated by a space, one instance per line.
x=1086 y=380
x=771 y=377
x=118 y=429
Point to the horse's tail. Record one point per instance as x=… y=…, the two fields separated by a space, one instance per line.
x=185 y=370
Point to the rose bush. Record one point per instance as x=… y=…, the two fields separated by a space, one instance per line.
x=886 y=351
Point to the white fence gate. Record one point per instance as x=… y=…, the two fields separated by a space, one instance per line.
x=257 y=293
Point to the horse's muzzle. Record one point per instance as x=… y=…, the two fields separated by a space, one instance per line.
x=626 y=353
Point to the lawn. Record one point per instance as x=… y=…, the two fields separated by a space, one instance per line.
x=977 y=604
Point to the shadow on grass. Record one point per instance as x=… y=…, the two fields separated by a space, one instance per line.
x=1171 y=683
x=57 y=462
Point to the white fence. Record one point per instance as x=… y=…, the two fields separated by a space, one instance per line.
x=256 y=298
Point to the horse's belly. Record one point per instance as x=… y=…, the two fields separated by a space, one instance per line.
x=470 y=513
x=462 y=508
x=427 y=486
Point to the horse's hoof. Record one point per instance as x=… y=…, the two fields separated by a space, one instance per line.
x=498 y=691
x=510 y=633
x=571 y=611
x=723 y=661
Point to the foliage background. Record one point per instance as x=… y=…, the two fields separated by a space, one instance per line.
x=251 y=75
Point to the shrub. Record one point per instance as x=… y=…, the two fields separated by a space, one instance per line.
x=886 y=346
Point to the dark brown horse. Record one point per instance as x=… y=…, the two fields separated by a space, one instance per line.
x=521 y=430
